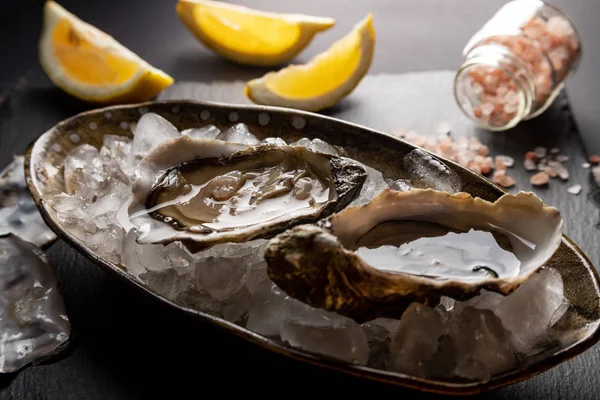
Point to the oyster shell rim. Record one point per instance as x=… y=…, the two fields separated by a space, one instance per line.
x=35 y=184
x=347 y=187
x=335 y=291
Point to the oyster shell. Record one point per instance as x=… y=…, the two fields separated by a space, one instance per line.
x=414 y=246
x=204 y=191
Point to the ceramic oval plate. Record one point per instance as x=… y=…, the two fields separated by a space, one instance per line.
x=576 y=331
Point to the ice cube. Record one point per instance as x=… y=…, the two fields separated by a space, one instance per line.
x=427 y=170
x=205 y=132
x=129 y=258
x=401 y=185
x=167 y=282
x=117 y=149
x=236 y=306
x=221 y=277
x=326 y=333
x=239 y=133
x=274 y=140
x=108 y=241
x=150 y=131
x=529 y=310
x=302 y=142
x=104 y=210
x=257 y=277
x=18 y=213
x=416 y=340
x=34 y=323
x=179 y=258
x=151 y=257
x=84 y=172
x=482 y=345
x=268 y=310
x=374 y=184
x=379 y=333
x=320 y=146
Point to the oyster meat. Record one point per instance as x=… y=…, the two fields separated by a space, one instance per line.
x=203 y=191
x=414 y=246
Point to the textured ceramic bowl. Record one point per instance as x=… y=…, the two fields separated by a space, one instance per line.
x=577 y=330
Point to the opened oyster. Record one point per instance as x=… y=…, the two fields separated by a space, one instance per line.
x=204 y=191
x=414 y=246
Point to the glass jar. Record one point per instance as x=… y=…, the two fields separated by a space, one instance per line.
x=516 y=64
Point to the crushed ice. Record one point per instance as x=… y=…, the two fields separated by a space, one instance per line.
x=472 y=340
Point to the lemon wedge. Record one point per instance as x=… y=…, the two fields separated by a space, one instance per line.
x=324 y=80
x=91 y=65
x=248 y=36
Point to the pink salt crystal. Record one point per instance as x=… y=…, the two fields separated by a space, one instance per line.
x=594 y=159
x=507 y=181
x=552 y=173
x=539 y=179
x=487 y=108
x=473 y=166
x=486 y=165
x=483 y=151
x=558 y=26
x=502 y=179
x=530 y=155
x=529 y=164
x=508 y=161
x=500 y=164
x=540 y=152
x=596 y=174
x=560 y=170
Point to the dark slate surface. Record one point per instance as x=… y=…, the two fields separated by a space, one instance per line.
x=129 y=346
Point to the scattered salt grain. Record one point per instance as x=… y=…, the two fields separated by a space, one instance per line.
x=508 y=161
x=500 y=164
x=562 y=158
x=596 y=174
x=539 y=179
x=554 y=150
x=540 y=152
x=502 y=179
x=585 y=165
x=552 y=173
x=560 y=169
x=594 y=159
x=575 y=189
x=529 y=164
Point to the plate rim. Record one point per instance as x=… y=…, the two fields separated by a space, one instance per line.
x=389 y=377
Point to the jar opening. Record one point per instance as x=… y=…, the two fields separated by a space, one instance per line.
x=490 y=96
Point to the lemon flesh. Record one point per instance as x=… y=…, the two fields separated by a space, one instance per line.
x=91 y=65
x=323 y=81
x=249 y=36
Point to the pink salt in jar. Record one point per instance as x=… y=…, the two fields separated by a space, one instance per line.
x=515 y=66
